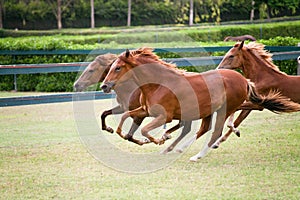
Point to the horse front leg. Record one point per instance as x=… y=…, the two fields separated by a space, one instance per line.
x=155 y=123
x=135 y=125
x=138 y=113
x=116 y=110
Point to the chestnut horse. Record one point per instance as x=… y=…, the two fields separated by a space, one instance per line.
x=128 y=96
x=240 y=38
x=169 y=93
x=256 y=65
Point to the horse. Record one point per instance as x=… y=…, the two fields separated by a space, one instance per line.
x=169 y=93
x=256 y=64
x=240 y=38
x=127 y=96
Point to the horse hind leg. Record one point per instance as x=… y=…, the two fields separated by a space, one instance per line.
x=186 y=129
x=217 y=124
x=167 y=134
x=205 y=124
x=236 y=123
x=231 y=126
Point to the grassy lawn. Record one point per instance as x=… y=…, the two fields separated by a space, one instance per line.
x=42 y=157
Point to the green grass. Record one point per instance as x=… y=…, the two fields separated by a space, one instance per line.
x=42 y=157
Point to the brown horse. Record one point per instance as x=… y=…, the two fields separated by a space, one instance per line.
x=256 y=64
x=240 y=38
x=128 y=96
x=169 y=93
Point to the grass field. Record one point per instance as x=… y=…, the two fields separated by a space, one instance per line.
x=42 y=157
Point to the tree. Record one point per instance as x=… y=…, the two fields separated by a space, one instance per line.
x=269 y=8
x=129 y=13
x=252 y=11
x=92 y=14
x=191 y=18
x=1 y=13
x=58 y=7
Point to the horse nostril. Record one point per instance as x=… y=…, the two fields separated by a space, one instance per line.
x=104 y=87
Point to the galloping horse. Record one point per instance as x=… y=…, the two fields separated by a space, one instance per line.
x=240 y=38
x=169 y=93
x=256 y=65
x=128 y=96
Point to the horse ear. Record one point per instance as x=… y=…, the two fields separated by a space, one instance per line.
x=127 y=53
x=241 y=45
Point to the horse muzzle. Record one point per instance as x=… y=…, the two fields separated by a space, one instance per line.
x=78 y=87
x=107 y=87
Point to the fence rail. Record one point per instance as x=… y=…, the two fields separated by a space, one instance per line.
x=157 y=50
x=79 y=66
x=54 y=98
x=279 y=53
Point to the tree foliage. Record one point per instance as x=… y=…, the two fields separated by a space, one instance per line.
x=36 y=14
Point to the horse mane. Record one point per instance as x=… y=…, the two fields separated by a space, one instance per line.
x=259 y=51
x=145 y=54
x=105 y=59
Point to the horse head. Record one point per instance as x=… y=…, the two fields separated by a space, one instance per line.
x=233 y=58
x=95 y=72
x=117 y=71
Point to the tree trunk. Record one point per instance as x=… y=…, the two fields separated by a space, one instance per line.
x=1 y=8
x=59 y=24
x=92 y=14
x=129 y=13
x=191 y=18
x=252 y=11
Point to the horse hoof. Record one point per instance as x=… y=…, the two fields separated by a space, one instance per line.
x=166 y=137
x=146 y=141
x=110 y=130
x=161 y=142
x=179 y=150
x=194 y=159
x=119 y=131
x=165 y=151
x=238 y=133
x=215 y=146
x=128 y=137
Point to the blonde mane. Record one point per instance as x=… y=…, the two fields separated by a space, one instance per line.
x=260 y=52
x=145 y=54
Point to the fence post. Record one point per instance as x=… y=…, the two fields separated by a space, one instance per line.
x=298 y=69
x=15 y=83
x=298 y=60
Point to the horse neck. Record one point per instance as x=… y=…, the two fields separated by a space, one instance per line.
x=255 y=68
x=124 y=91
x=149 y=78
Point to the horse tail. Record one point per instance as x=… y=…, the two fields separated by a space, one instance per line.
x=274 y=101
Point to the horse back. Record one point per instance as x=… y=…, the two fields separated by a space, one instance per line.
x=290 y=87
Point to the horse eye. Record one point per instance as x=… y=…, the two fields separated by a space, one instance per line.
x=91 y=70
x=118 y=69
x=231 y=56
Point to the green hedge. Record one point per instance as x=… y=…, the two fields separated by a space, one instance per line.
x=259 y=31
x=60 y=82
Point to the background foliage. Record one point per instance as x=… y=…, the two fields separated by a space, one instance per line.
x=35 y=14
x=268 y=34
